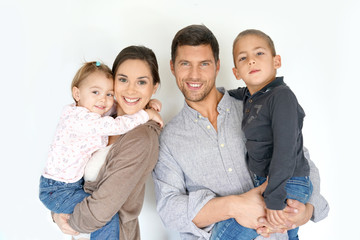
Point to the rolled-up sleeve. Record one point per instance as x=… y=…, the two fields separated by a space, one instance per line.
x=321 y=206
x=177 y=207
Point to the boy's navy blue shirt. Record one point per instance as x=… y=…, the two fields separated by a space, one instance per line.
x=272 y=124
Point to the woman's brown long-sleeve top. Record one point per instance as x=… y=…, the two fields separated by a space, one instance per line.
x=120 y=184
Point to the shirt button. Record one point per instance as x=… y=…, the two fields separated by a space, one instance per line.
x=247 y=110
x=195 y=120
x=227 y=110
x=208 y=127
x=230 y=169
x=222 y=145
x=250 y=100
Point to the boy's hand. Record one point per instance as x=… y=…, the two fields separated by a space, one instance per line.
x=154 y=115
x=276 y=217
x=155 y=104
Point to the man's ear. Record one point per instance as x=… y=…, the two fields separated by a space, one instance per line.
x=277 y=61
x=236 y=73
x=172 y=67
x=76 y=93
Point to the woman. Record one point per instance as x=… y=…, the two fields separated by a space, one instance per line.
x=116 y=176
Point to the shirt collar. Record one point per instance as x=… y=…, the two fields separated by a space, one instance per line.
x=278 y=81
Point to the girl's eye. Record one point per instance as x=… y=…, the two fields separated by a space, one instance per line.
x=96 y=92
x=110 y=95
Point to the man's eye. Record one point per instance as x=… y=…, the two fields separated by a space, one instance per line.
x=205 y=64
x=184 y=64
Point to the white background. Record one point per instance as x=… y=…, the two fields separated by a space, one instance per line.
x=43 y=43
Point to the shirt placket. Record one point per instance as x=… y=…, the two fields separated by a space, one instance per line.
x=226 y=158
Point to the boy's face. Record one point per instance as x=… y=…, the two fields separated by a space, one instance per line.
x=254 y=63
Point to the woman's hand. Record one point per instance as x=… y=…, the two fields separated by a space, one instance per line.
x=61 y=219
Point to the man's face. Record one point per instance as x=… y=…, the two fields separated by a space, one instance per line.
x=195 y=71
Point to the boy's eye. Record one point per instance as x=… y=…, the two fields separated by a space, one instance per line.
x=242 y=59
x=260 y=53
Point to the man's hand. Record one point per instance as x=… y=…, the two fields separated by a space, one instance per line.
x=61 y=219
x=251 y=207
x=296 y=214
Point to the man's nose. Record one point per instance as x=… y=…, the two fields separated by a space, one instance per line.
x=194 y=72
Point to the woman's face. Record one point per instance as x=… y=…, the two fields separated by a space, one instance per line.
x=133 y=86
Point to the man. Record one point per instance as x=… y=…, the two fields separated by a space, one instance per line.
x=201 y=177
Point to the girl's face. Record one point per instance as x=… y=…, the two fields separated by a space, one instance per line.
x=96 y=93
x=133 y=86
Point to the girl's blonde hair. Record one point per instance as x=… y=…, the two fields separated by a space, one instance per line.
x=87 y=69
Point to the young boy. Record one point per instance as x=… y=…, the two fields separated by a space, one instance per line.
x=272 y=124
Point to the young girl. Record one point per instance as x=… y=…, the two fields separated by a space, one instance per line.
x=81 y=131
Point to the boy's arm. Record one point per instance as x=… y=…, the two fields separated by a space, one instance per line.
x=238 y=93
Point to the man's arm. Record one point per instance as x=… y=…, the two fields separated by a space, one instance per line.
x=298 y=214
x=176 y=205
x=321 y=206
x=246 y=208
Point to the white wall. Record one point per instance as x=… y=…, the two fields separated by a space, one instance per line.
x=43 y=43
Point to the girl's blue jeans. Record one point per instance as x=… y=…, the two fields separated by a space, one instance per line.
x=61 y=197
x=297 y=188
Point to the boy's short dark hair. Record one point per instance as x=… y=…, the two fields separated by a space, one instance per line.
x=195 y=35
x=258 y=33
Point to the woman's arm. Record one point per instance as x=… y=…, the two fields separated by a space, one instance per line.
x=129 y=162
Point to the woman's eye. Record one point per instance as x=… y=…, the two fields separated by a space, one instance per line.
x=122 y=79
x=142 y=82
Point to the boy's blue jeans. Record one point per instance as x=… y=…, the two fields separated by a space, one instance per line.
x=60 y=197
x=298 y=188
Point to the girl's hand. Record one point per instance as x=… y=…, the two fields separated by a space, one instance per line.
x=154 y=115
x=154 y=104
